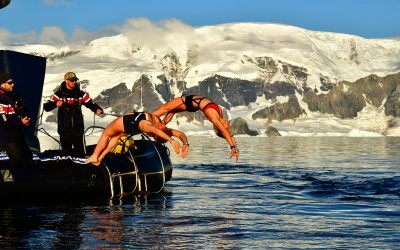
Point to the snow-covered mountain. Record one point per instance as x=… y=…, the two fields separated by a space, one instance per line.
x=299 y=81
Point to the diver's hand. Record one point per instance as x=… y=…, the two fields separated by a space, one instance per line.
x=176 y=146
x=234 y=152
x=185 y=150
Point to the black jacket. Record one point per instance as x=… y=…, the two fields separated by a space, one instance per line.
x=11 y=127
x=70 y=118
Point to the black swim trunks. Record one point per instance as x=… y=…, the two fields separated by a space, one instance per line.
x=189 y=102
x=131 y=122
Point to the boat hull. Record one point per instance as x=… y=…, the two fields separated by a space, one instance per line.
x=144 y=168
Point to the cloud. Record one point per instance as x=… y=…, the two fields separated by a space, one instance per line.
x=170 y=34
x=157 y=34
x=53 y=35
x=5 y=36
x=83 y=36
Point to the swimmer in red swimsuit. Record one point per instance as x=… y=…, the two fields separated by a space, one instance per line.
x=212 y=111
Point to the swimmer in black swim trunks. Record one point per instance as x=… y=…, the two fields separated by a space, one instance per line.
x=212 y=111
x=135 y=123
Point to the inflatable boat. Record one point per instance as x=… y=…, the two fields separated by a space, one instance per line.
x=141 y=166
x=144 y=167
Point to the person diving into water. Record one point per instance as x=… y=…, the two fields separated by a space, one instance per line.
x=212 y=111
x=133 y=124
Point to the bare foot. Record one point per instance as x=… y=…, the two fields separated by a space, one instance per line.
x=90 y=160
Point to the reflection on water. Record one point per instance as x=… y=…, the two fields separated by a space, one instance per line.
x=284 y=192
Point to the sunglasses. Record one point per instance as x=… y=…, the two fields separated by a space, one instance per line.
x=73 y=79
x=10 y=82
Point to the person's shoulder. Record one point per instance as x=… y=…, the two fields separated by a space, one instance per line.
x=58 y=91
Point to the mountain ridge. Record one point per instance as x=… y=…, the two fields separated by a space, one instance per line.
x=245 y=67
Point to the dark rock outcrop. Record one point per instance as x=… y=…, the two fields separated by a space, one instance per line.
x=164 y=89
x=278 y=89
x=143 y=95
x=281 y=111
x=58 y=56
x=268 y=67
x=176 y=71
x=392 y=104
x=295 y=74
x=326 y=83
x=235 y=91
x=337 y=102
x=346 y=99
x=111 y=97
x=271 y=131
x=239 y=127
x=122 y=100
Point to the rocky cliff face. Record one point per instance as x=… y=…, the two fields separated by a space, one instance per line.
x=113 y=97
x=175 y=72
x=268 y=67
x=346 y=99
x=281 y=111
x=122 y=100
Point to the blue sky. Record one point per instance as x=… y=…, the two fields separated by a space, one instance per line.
x=25 y=19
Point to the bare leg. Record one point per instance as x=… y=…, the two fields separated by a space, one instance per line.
x=101 y=145
x=111 y=143
x=115 y=129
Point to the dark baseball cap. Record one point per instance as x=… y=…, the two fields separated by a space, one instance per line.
x=70 y=76
x=4 y=77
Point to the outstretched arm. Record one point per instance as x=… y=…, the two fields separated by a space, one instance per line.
x=168 y=118
x=89 y=103
x=184 y=140
x=163 y=111
x=160 y=111
x=147 y=127
x=226 y=134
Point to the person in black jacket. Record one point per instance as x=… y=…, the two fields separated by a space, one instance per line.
x=12 y=121
x=69 y=99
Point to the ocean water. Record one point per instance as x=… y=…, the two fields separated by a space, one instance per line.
x=285 y=192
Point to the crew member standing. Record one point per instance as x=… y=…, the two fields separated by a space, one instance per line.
x=12 y=121
x=69 y=99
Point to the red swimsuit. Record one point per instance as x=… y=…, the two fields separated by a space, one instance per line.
x=213 y=106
